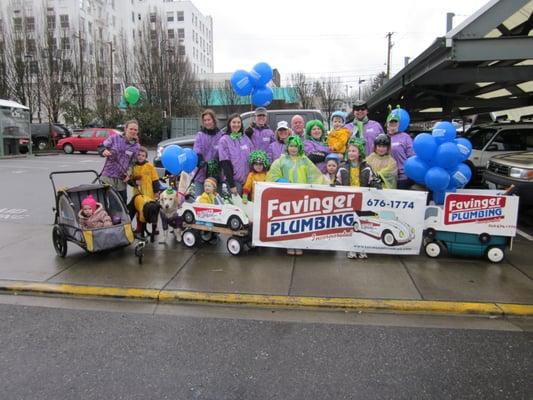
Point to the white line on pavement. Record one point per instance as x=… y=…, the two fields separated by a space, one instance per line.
x=523 y=234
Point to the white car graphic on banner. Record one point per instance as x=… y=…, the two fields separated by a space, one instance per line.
x=383 y=225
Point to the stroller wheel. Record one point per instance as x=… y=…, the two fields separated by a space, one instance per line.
x=59 y=240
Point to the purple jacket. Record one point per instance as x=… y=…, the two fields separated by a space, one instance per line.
x=311 y=146
x=371 y=130
x=236 y=151
x=275 y=150
x=261 y=137
x=206 y=145
x=123 y=154
x=401 y=150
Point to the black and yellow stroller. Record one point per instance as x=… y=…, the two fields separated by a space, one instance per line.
x=68 y=229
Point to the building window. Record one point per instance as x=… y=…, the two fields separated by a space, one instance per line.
x=64 y=21
x=30 y=46
x=34 y=67
x=90 y=27
x=19 y=47
x=132 y=17
x=114 y=19
x=181 y=34
x=180 y=16
x=30 y=24
x=153 y=34
x=133 y=34
x=51 y=21
x=181 y=50
x=170 y=16
x=170 y=33
x=67 y=66
x=65 y=43
x=17 y=24
x=152 y=17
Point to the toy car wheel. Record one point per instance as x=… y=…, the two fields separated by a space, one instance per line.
x=234 y=245
x=433 y=249
x=68 y=148
x=495 y=254
x=484 y=238
x=60 y=242
x=356 y=226
x=188 y=217
x=189 y=238
x=388 y=238
x=430 y=233
x=207 y=236
x=234 y=223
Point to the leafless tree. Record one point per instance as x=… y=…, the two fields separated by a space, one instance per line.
x=203 y=93
x=304 y=87
x=228 y=98
x=328 y=91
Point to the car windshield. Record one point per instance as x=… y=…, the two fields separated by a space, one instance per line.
x=387 y=215
x=479 y=137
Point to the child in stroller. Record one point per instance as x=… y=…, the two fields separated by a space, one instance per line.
x=92 y=214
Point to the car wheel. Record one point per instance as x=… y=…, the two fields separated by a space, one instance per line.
x=188 y=217
x=41 y=144
x=495 y=254
x=388 y=238
x=207 y=236
x=484 y=238
x=234 y=245
x=234 y=223
x=189 y=238
x=433 y=249
x=59 y=241
x=68 y=148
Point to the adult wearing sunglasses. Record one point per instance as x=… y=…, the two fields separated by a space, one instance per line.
x=362 y=127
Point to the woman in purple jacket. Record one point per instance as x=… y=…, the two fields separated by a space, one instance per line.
x=206 y=147
x=315 y=146
x=401 y=149
x=233 y=151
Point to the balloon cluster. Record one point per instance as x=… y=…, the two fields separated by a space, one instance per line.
x=176 y=159
x=131 y=94
x=254 y=82
x=438 y=163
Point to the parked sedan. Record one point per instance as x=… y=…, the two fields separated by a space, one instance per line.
x=89 y=140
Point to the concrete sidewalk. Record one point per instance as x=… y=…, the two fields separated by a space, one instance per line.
x=264 y=276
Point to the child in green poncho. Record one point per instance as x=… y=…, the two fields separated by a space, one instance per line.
x=382 y=162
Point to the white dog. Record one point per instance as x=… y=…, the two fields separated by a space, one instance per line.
x=170 y=201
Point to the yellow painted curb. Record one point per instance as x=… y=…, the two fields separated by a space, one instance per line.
x=420 y=306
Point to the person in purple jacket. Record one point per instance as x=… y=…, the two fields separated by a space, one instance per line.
x=120 y=152
x=362 y=127
x=277 y=148
x=233 y=151
x=206 y=147
x=259 y=132
x=401 y=149
x=315 y=146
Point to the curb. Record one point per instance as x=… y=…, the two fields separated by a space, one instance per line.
x=407 y=306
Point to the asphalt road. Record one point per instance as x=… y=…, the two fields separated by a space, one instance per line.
x=50 y=353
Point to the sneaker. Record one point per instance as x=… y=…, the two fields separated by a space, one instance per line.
x=290 y=252
x=298 y=252
x=351 y=254
x=362 y=255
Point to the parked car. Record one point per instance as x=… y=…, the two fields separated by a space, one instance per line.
x=89 y=140
x=512 y=169
x=498 y=138
x=274 y=116
x=47 y=135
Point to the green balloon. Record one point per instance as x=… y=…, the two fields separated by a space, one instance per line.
x=131 y=94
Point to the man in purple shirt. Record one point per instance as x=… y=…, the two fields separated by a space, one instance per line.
x=259 y=132
x=363 y=127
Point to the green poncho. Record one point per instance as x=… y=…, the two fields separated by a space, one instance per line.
x=298 y=169
x=385 y=167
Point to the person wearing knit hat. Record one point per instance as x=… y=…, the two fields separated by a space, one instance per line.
x=401 y=147
x=92 y=214
x=210 y=195
x=259 y=164
x=338 y=136
x=315 y=146
x=362 y=127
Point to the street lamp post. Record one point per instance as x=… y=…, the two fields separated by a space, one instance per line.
x=27 y=58
x=359 y=91
x=111 y=50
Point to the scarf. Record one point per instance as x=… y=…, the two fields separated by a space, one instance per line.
x=235 y=135
x=360 y=126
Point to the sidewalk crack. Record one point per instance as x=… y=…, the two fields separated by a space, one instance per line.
x=412 y=280
x=176 y=274
x=292 y=275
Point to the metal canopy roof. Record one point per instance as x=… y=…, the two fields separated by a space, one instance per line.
x=485 y=64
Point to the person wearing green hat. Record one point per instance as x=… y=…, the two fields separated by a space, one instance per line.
x=259 y=164
x=401 y=148
x=315 y=146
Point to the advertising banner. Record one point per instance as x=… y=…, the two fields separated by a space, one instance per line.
x=340 y=218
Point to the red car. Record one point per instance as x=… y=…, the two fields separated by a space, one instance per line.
x=89 y=140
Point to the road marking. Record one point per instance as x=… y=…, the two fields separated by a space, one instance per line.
x=18 y=172
x=13 y=213
x=523 y=234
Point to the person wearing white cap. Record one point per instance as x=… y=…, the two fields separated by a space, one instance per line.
x=277 y=148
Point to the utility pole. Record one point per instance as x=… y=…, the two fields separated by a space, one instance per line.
x=389 y=47
x=111 y=77
x=449 y=21
x=360 y=81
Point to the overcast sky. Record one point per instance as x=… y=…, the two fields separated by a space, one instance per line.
x=337 y=38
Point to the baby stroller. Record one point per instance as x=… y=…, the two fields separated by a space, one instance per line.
x=66 y=223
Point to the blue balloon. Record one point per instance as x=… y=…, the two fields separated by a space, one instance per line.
x=191 y=160
x=438 y=196
x=444 y=131
x=171 y=159
x=416 y=168
x=241 y=82
x=261 y=74
x=437 y=179
x=461 y=175
x=404 y=118
x=282 y=180
x=447 y=156
x=262 y=96
x=465 y=147
x=425 y=146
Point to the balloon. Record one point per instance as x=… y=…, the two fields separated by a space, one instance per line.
x=425 y=146
x=282 y=180
x=447 y=156
x=261 y=73
x=131 y=94
x=444 y=131
x=437 y=179
x=415 y=168
x=171 y=159
x=404 y=118
x=262 y=96
x=438 y=196
x=465 y=147
x=191 y=160
x=241 y=82
x=461 y=175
